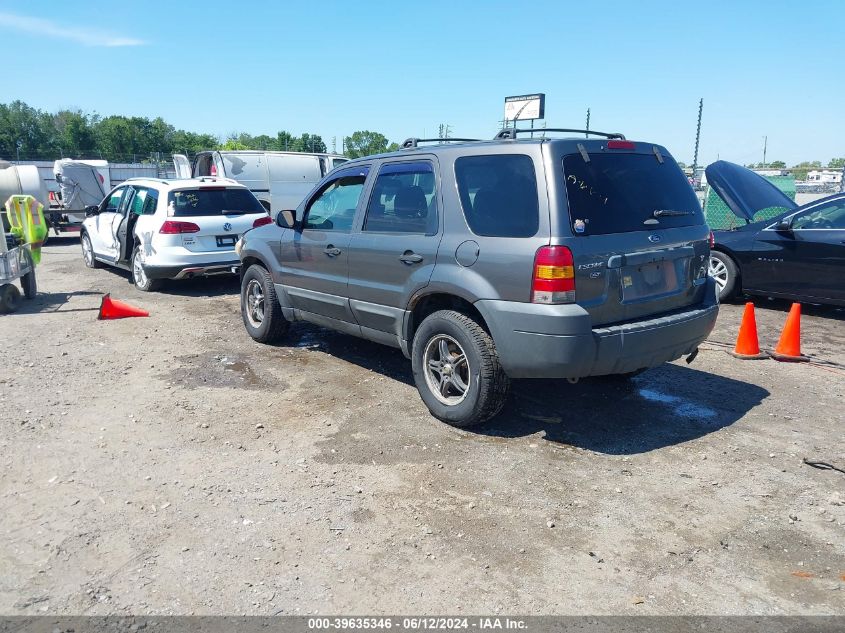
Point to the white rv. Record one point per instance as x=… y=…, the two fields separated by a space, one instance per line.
x=280 y=180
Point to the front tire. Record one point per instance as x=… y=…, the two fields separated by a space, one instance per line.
x=725 y=273
x=88 y=252
x=28 y=282
x=260 y=308
x=457 y=370
x=139 y=275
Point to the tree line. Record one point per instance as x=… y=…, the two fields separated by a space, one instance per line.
x=27 y=133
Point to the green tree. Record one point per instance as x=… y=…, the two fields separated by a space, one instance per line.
x=836 y=163
x=263 y=141
x=364 y=143
x=777 y=164
x=285 y=142
x=310 y=143
x=74 y=133
x=26 y=131
x=115 y=138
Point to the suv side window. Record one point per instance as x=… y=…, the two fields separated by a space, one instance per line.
x=144 y=202
x=499 y=194
x=113 y=203
x=333 y=208
x=404 y=200
x=826 y=216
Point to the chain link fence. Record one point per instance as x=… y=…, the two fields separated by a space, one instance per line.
x=720 y=217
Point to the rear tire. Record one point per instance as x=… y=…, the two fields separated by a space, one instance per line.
x=725 y=273
x=139 y=276
x=260 y=308
x=88 y=252
x=457 y=370
x=10 y=298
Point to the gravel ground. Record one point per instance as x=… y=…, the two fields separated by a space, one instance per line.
x=170 y=465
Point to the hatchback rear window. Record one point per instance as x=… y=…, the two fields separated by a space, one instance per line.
x=499 y=194
x=620 y=193
x=212 y=201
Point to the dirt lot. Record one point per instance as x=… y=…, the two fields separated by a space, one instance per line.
x=171 y=465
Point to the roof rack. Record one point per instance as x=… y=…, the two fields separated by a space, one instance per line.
x=510 y=132
x=413 y=142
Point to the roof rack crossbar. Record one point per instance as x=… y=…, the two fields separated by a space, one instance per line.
x=413 y=142
x=510 y=133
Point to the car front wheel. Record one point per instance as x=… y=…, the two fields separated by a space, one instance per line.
x=724 y=272
x=88 y=252
x=260 y=309
x=457 y=370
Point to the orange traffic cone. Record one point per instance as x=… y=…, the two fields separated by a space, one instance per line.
x=747 y=345
x=789 y=346
x=114 y=309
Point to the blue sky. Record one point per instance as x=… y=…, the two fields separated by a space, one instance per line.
x=763 y=68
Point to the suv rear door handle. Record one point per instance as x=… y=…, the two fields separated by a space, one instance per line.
x=332 y=251
x=410 y=257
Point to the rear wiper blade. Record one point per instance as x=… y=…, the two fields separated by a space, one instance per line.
x=665 y=213
x=226 y=212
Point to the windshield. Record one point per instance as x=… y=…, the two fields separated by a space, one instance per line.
x=620 y=193
x=212 y=201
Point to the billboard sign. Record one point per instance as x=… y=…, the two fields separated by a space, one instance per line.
x=525 y=107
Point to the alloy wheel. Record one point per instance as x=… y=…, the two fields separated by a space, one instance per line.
x=254 y=303
x=719 y=272
x=447 y=372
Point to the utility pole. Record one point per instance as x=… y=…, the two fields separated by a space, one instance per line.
x=588 y=123
x=697 y=137
x=765 y=146
x=334 y=145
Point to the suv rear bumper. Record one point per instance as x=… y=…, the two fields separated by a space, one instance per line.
x=183 y=271
x=544 y=341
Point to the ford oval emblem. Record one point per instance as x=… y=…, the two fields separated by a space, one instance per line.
x=228 y=227
x=654 y=238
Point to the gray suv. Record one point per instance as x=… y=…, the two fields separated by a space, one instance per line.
x=485 y=261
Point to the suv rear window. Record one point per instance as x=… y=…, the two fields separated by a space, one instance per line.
x=212 y=201
x=499 y=194
x=620 y=193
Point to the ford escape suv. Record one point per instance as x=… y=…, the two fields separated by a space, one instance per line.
x=491 y=260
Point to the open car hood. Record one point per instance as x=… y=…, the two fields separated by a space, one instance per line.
x=743 y=191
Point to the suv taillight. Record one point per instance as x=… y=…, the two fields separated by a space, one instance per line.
x=554 y=276
x=174 y=227
x=712 y=240
x=262 y=221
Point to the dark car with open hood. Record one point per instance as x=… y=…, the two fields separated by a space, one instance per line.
x=797 y=254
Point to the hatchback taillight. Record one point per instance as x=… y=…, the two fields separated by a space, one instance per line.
x=554 y=276
x=174 y=227
x=262 y=221
x=712 y=240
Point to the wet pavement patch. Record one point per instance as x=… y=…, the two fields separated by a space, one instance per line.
x=215 y=370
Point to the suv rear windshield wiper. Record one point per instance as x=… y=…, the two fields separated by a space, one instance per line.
x=230 y=212
x=665 y=213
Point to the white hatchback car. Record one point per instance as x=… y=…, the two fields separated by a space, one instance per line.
x=161 y=229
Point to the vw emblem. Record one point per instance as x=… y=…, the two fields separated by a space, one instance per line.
x=228 y=227
x=654 y=238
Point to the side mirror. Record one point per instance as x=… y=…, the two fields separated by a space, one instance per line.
x=286 y=219
x=784 y=226
x=92 y=210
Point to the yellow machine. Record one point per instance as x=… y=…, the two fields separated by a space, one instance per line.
x=26 y=219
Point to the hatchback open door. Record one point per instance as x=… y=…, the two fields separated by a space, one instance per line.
x=182 y=165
